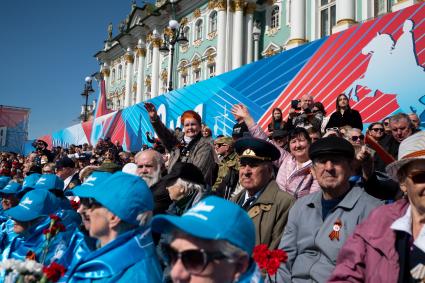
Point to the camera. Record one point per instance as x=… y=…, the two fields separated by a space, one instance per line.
x=294 y=104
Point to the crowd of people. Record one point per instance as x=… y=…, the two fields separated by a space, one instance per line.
x=343 y=203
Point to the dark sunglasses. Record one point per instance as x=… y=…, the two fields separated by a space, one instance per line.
x=194 y=261
x=377 y=129
x=219 y=144
x=386 y=123
x=89 y=202
x=417 y=177
x=355 y=138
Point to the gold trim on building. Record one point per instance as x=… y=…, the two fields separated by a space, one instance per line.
x=134 y=87
x=195 y=63
x=221 y=5
x=156 y=42
x=212 y=35
x=239 y=5
x=149 y=37
x=197 y=42
x=296 y=41
x=345 y=22
x=184 y=21
x=141 y=52
x=106 y=72
x=129 y=58
x=211 y=4
x=196 y=13
x=250 y=8
x=148 y=81
x=164 y=75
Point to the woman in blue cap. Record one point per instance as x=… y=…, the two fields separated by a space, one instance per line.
x=120 y=210
x=212 y=242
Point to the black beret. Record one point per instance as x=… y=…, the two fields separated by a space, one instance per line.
x=65 y=162
x=279 y=134
x=257 y=149
x=186 y=171
x=335 y=146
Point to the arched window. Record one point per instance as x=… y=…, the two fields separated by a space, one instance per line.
x=211 y=70
x=186 y=33
x=274 y=19
x=198 y=30
x=113 y=75
x=119 y=72
x=125 y=70
x=213 y=21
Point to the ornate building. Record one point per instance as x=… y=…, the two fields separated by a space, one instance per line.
x=222 y=35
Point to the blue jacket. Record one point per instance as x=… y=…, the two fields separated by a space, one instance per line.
x=130 y=257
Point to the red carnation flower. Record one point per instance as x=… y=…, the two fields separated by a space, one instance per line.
x=54 y=217
x=75 y=204
x=54 y=271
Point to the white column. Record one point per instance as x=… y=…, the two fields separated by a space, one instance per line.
x=298 y=21
x=129 y=58
x=250 y=9
x=345 y=15
x=141 y=54
x=221 y=37
x=237 y=34
x=156 y=42
x=106 y=76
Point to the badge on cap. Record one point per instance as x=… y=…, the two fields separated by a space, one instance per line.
x=335 y=230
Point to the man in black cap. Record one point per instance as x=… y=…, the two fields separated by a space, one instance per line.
x=319 y=223
x=65 y=169
x=266 y=204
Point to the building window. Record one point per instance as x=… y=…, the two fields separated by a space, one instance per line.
x=183 y=80
x=198 y=30
x=213 y=21
x=119 y=72
x=327 y=17
x=186 y=33
x=125 y=70
x=211 y=70
x=197 y=75
x=113 y=75
x=275 y=17
x=381 y=7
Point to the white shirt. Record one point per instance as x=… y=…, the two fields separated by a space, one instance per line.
x=404 y=224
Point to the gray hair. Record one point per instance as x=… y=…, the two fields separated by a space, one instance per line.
x=401 y=116
x=156 y=156
x=189 y=187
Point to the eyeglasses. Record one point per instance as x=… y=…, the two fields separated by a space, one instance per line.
x=377 y=129
x=355 y=138
x=417 y=177
x=194 y=261
x=386 y=123
x=315 y=111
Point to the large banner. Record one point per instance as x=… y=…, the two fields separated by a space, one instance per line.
x=377 y=63
x=13 y=128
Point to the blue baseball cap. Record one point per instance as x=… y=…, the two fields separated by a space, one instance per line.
x=29 y=181
x=123 y=194
x=49 y=182
x=12 y=188
x=4 y=180
x=34 y=204
x=213 y=218
x=91 y=181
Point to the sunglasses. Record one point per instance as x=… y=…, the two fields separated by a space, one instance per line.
x=355 y=138
x=219 y=144
x=417 y=177
x=377 y=129
x=194 y=261
x=333 y=129
x=386 y=123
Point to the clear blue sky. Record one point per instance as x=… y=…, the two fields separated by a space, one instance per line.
x=47 y=49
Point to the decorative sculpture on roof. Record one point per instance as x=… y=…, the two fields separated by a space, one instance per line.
x=110 y=28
